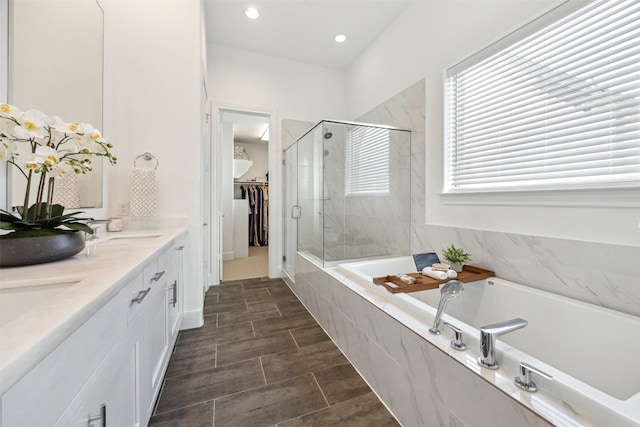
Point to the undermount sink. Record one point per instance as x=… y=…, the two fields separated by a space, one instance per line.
x=130 y=238
x=18 y=297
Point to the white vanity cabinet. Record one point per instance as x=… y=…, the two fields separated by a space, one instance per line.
x=109 y=371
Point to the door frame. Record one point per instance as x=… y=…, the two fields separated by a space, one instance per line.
x=275 y=186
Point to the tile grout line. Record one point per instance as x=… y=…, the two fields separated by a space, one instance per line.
x=320 y=388
x=264 y=376
x=294 y=339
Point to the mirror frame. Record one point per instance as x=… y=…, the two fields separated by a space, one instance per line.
x=5 y=82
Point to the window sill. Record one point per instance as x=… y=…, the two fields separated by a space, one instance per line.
x=596 y=197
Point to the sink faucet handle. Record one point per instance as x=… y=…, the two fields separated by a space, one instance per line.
x=524 y=380
x=457 y=343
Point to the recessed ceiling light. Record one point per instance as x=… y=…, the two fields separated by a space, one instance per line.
x=340 y=38
x=252 y=13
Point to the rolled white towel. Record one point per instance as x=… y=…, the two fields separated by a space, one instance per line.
x=451 y=274
x=438 y=275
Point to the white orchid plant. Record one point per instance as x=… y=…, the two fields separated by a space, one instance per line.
x=56 y=148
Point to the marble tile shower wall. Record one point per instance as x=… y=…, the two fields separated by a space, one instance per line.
x=601 y=274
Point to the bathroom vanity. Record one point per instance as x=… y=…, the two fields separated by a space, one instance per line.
x=88 y=339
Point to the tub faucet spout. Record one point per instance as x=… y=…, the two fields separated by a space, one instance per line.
x=488 y=336
x=449 y=290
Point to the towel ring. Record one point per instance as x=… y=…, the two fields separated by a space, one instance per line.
x=148 y=157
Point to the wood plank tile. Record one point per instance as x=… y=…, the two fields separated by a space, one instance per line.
x=340 y=383
x=186 y=390
x=254 y=313
x=235 y=305
x=255 y=347
x=187 y=361
x=206 y=336
x=309 y=335
x=271 y=404
x=361 y=411
x=294 y=321
x=288 y=307
x=200 y=415
x=307 y=359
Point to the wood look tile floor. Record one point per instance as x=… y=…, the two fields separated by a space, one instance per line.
x=262 y=360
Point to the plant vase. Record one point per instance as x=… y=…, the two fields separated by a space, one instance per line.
x=455 y=267
x=20 y=250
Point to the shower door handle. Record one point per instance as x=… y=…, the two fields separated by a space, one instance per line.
x=296 y=212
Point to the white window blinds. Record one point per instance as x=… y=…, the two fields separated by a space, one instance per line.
x=558 y=109
x=368 y=157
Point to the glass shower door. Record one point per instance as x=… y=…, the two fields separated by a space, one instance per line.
x=290 y=211
x=309 y=176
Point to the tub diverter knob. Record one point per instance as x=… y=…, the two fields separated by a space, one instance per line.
x=524 y=380
x=456 y=343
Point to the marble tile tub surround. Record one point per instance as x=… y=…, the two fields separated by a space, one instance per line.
x=601 y=274
x=420 y=383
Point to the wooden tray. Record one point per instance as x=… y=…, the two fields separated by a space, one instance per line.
x=394 y=285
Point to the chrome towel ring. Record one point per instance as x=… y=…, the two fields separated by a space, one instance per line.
x=147 y=157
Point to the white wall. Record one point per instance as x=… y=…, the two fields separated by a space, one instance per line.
x=284 y=89
x=423 y=41
x=226 y=197
x=259 y=155
x=295 y=90
x=154 y=87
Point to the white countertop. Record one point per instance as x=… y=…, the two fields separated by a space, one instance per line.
x=27 y=338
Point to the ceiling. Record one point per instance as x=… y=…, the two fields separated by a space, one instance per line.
x=247 y=128
x=301 y=30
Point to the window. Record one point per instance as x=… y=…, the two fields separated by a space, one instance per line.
x=368 y=157
x=559 y=109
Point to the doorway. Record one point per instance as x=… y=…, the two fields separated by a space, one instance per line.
x=245 y=196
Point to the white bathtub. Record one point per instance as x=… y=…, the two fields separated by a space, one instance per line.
x=592 y=353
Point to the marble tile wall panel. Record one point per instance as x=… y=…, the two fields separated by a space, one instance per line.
x=597 y=273
x=291 y=130
x=420 y=384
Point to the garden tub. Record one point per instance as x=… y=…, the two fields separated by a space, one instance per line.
x=590 y=352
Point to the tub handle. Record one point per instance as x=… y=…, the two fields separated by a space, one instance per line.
x=456 y=343
x=524 y=380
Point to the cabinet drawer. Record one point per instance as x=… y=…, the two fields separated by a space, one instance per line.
x=172 y=255
x=137 y=293
x=41 y=396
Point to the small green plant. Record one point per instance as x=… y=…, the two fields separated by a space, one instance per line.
x=456 y=255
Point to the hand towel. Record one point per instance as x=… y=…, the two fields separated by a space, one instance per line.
x=143 y=193
x=438 y=275
x=451 y=274
x=66 y=191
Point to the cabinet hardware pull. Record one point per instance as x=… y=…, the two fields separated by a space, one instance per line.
x=180 y=248
x=141 y=295
x=175 y=293
x=157 y=276
x=102 y=417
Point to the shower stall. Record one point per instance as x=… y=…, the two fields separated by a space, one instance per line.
x=347 y=193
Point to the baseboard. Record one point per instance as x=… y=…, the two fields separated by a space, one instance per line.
x=192 y=319
x=228 y=256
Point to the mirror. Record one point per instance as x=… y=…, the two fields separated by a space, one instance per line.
x=56 y=66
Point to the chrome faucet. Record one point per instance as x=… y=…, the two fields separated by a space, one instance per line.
x=449 y=290
x=488 y=336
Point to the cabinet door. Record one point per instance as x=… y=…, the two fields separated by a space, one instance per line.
x=174 y=299
x=113 y=398
x=154 y=344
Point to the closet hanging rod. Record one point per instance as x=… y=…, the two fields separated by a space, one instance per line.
x=252 y=182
